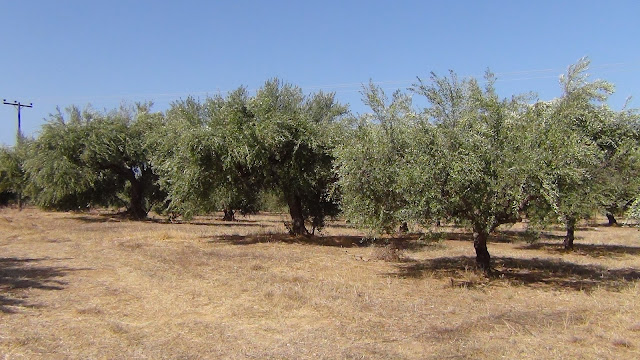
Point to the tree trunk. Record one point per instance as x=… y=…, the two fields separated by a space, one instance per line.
x=136 y=200
x=229 y=215
x=571 y=229
x=483 y=259
x=612 y=219
x=297 y=217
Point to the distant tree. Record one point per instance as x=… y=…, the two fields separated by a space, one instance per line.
x=589 y=151
x=241 y=179
x=295 y=138
x=620 y=142
x=13 y=180
x=566 y=173
x=93 y=159
x=634 y=209
x=170 y=143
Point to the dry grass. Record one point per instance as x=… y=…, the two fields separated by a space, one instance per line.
x=85 y=286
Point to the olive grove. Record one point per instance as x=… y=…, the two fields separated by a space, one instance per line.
x=469 y=157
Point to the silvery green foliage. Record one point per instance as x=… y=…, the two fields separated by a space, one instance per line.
x=634 y=210
x=466 y=157
x=89 y=158
x=205 y=155
x=57 y=177
x=174 y=144
x=223 y=152
x=620 y=141
x=295 y=135
x=463 y=158
x=12 y=175
x=371 y=162
x=473 y=156
x=579 y=147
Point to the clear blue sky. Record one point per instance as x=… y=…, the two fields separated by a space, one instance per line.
x=59 y=53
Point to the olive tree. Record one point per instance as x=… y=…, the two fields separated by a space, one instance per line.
x=12 y=175
x=466 y=158
x=634 y=209
x=224 y=152
x=618 y=175
x=295 y=137
x=473 y=160
x=204 y=153
x=371 y=161
x=590 y=151
x=91 y=158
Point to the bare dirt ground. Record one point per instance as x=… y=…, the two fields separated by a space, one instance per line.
x=94 y=286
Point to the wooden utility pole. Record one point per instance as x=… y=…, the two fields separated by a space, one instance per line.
x=18 y=106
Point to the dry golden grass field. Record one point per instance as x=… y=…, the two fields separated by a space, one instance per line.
x=95 y=286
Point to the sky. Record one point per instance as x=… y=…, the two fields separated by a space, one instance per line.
x=77 y=52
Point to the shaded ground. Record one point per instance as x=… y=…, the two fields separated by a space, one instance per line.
x=592 y=250
x=18 y=274
x=553 y=274
x=410 y=241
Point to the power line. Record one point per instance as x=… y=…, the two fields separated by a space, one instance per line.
x=507 y=76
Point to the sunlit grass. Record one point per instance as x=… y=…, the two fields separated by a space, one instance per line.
x=97 y=286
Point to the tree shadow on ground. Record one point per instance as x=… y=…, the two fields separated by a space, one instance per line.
x=340 y=225
x=534 y=272
x=511 y=236
x=592 y=226
x=234 y=223
x=337 y=241
x=218 y=220
x=95 y=219
x=19 y=274
x=501 y=236
x=104 y=218
x=591 y=250
x=405 y=242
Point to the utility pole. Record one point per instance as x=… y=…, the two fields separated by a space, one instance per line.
x=18 y=106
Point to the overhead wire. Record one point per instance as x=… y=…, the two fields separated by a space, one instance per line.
x=508 y=76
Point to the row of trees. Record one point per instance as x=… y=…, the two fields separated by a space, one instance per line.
x=483 y=161
x=469 y=157
x=199 y=157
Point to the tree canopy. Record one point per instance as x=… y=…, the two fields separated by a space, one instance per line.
x=223 y=153
x=89 y=158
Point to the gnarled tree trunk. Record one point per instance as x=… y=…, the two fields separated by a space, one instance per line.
x=229 y=215
x=297 y=216
x=570 y=224
x=136 y=199
x=404 y=228
x=483 y=259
